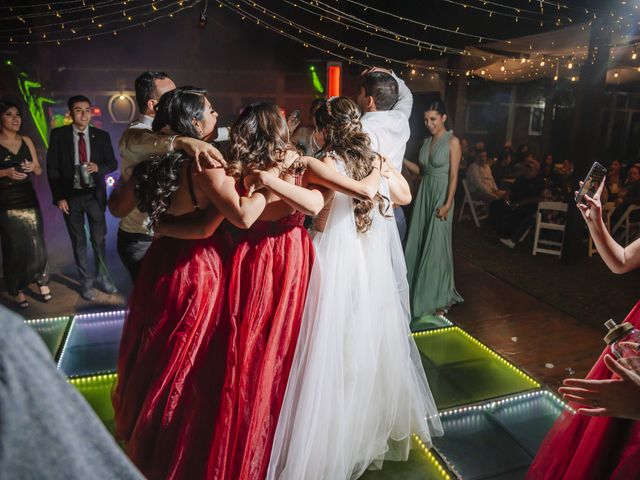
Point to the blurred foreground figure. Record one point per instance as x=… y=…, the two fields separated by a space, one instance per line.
x=47 y=430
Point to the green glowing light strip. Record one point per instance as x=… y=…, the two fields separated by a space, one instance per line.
x=35 y=103
x=493 y=353
x=317 y=84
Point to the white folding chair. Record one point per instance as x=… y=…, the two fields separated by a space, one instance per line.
x=472 y=204
x=626 y=223
x=542 y=245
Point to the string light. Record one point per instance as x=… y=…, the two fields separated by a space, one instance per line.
x=365 y=52
x=425 y=26
x=371 y=29
x=141 y=19
x=100 y=17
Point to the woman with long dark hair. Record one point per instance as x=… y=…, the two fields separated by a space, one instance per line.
x=428 y=249
x=350 y=404
x=172 y=355
x=24 y=253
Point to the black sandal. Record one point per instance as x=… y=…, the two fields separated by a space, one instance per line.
x=22 y=303
x=45 y=296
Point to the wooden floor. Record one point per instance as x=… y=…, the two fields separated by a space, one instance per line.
x=543 y=341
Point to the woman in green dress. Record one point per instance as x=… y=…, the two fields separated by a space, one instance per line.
x=428 y=251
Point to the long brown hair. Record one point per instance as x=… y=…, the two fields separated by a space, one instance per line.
x=259 y=140
x=339 y=120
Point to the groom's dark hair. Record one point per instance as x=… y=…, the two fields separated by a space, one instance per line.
x=145 y=88
x=383 y=88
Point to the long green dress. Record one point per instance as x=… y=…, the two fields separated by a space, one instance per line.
x=428 y=251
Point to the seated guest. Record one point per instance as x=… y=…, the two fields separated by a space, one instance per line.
x=503 y=168
x=512 y=216
x=480 y=179
x=629 y=194
x=306 y=138
x=614 y=179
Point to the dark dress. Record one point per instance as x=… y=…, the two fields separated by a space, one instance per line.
x=24 y=254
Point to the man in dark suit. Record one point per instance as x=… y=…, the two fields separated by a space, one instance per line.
x=79 y=157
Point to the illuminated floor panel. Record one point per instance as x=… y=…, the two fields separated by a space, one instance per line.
x=429 y=322
x=497 y=441
x=486 y=437
x=417 y=467
x=460 y=370
x=97 y=391
x=92 y=344
x=52 y=331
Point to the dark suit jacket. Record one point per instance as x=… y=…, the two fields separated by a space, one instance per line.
x=61 y=162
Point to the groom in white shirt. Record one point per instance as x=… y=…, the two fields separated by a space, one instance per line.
x=386 y=101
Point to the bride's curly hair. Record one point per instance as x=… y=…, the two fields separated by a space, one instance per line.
x=339 y=120
x=158 y=177
x=259 y=141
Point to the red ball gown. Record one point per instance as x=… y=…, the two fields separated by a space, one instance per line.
x=591 y=448
x=172 y=357
x=269 y=275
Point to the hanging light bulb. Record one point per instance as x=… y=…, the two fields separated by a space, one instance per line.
x=502 y=68
x=542 y=63
x=634 y=54
x=482 y=72
x=570 y=65
x=615 y=74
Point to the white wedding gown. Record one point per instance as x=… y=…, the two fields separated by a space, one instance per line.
x=357 y=389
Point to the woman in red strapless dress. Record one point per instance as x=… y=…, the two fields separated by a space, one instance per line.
x=269 y=275
x=172 y=356
x=595 y=448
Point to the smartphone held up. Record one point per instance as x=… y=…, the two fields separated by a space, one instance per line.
x=591 y=182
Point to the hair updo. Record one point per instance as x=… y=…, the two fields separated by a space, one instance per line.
x=339 y=121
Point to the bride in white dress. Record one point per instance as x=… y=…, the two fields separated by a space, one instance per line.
x=357 y=390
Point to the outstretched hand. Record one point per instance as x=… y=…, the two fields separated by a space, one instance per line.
x=616 y=397
x=592 y=210
x=204 y=154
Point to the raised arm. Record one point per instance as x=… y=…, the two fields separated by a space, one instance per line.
x=398 y=185
x=619 y=259
x=221 y=191
x=405 y=97
x=309 y=201
x=319 y=173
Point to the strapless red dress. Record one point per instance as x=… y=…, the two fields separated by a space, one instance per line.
x=269 y=275
x=591 y=448
x=172 y=357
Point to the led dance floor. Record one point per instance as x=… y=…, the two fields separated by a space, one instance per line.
x=495 y=416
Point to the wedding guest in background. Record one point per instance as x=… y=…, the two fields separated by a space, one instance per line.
x=510 y=217
x=502 y=170
x=79 y=157
x=480 y=178
x=24 y=254
x=614 y=179
x=307 y=138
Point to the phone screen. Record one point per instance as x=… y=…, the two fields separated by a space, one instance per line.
x=592 y=182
